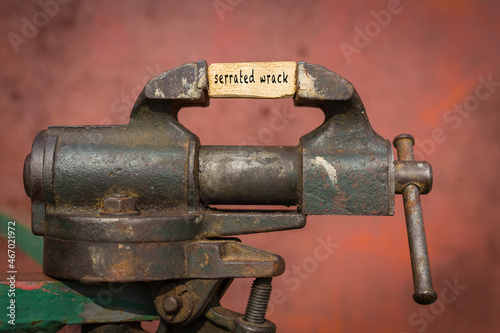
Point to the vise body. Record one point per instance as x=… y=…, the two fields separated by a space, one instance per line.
x=134 y=202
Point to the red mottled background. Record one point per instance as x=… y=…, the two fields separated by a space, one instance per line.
x=87 y=64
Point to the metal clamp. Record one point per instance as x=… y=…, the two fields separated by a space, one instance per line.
x=135 y=202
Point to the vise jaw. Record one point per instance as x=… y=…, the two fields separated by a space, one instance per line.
x=134 y=202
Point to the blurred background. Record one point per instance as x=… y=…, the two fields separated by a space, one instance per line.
x=428 y=68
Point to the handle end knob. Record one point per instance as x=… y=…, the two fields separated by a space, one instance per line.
x=425 y=297
x=403 y=136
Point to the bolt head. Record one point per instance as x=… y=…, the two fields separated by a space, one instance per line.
x=172 y=304
x=119 y=203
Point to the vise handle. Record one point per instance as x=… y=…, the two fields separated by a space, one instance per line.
x=411 y=184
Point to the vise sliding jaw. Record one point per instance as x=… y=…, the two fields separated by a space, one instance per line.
x=132 y=202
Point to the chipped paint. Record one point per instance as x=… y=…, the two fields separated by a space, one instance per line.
x=47 y=305
x=159 y=93
x=190 y=89
x=307 y=84
x=98 y=262
x=49 y=291
x=27 y=285
x=330 y=170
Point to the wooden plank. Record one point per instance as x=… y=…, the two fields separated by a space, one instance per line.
x=252 y=79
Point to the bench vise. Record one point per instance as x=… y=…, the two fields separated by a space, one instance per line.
x=134 y=203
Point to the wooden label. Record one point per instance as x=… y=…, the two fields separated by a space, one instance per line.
x=253 y=79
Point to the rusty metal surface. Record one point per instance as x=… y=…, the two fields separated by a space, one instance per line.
x=169 y=227
x=416 y=173
x=346 y=165
x=127 y=262
x=191 y=297
x=216 y=318
x=103 y=189
x=420 y=266
x=258 y=301
x=250 y=175
x=227 y=223
x=132 y=202
x=422 y=281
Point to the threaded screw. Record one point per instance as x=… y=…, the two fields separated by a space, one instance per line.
x=258 y=300
x=119 y=204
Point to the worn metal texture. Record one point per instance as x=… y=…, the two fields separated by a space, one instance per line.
x=127 y=262
x=227 y=222
x=97 y=190
x=258 y=301
x=74 y=168
x=182 y=86
x=155 y=159
x=44 y=304
x=146 y=247
x=191 y=297
x=416 y=173
x=347 y=167
x=169 y=227
x=216 y=318
x=420 y=266
x=422 y=181
x=132 y=202
x=250 y=175
x=140 y=159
